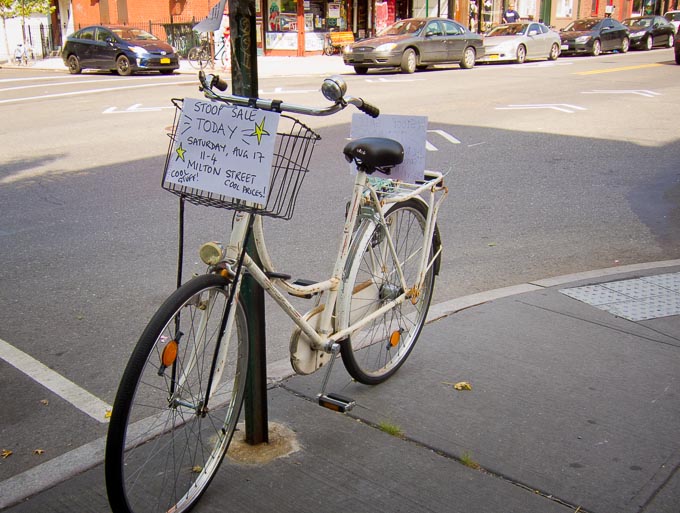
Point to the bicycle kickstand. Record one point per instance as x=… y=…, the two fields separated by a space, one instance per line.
x=335 y=402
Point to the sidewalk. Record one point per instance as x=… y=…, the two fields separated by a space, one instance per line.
x=266 y=66
x=571 y=409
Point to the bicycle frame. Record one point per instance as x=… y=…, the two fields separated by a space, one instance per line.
x=326 y=335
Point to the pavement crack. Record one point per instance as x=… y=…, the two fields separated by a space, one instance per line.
x=450 y=456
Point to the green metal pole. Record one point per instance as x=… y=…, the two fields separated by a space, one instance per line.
x=243 y=28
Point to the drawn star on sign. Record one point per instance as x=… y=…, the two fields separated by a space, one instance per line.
x=180 y=152
x=260 y=131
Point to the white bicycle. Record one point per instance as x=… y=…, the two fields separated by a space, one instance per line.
x=180 y=396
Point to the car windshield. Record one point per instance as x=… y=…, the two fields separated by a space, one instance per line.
x=582 y=25
x=638 y=22
x=672 y=16
x=403 y=27
x=133 y=34
x=512 y=29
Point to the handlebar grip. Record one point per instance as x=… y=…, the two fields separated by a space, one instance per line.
x=220 y=83
x=369 y=109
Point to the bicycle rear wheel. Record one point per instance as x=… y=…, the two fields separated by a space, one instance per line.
x=198 y=57
x=165 y=443
x=375 y=352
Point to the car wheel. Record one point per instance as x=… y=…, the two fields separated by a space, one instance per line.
x=671 y=41
x=677 y=54
x=123 y=66
x=554 y=52
x=360 y=70
x=408 y=61
x=74 y=65
x=469 y=56
x=521 y=54
x=625 y=45
x=649 y=43
x=597 y=48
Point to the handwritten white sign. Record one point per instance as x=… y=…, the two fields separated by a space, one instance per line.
x=410 y=131
x=224 y=149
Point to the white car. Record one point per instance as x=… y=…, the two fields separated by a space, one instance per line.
x=517 y=42
x=674 y=18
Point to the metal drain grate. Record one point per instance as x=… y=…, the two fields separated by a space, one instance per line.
x=636 y=300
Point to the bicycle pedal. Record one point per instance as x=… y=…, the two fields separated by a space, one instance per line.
x=336 y=402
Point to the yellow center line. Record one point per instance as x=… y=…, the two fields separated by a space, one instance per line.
x=612 y=70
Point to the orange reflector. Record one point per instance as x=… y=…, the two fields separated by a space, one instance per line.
x=169 y=353
x=394 y=338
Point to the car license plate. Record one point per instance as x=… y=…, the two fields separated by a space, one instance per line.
x=165 y=60
x=565 y=47
x=493 y=56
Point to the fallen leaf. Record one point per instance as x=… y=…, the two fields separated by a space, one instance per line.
x=197 y=469
x=491 y=244
x=461 y=385
x=107 y=414
x=39 y=452
x=45 y=402
x=6 y=453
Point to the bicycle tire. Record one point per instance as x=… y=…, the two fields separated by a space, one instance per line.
x=225 y=56
x=196 y=58
x=374 y=353
x=173 y=446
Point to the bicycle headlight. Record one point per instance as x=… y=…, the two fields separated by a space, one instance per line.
x=334 y=88
x=211 y=253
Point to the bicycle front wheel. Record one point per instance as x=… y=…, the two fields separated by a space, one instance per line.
x=375 y=352
x=168 y=432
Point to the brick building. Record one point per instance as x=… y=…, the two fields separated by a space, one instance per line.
x=298 y=27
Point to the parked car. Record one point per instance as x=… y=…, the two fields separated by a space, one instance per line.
x=594 y=36
x=649 y=31
x=118 y=48
x=416 y=43
x=674 y=18
x=522 y=41
x=677 y=50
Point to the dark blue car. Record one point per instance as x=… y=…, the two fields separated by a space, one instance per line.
x=118 y=48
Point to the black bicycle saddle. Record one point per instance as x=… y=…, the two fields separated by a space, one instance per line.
x=374 y=153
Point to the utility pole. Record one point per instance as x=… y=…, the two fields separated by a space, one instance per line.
x=242 y=26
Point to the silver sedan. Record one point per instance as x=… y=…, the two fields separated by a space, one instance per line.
x=518 y=42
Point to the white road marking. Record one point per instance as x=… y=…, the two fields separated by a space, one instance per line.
x=561 y=107
x=93 y=91
x=54 y=84
x=64 y=388
x=640 y=92
x=137 y=107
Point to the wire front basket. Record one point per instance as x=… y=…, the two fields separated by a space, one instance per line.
x=292 y=153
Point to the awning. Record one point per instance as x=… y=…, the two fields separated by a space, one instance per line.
x=214 y=19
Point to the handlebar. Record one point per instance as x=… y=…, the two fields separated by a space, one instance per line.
x=333 y=89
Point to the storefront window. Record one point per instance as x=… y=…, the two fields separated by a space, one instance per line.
x=282 y=16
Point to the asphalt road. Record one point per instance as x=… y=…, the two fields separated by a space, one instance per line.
x=554 y=168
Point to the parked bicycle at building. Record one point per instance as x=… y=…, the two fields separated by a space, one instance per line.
x=201 y=56
x=180 y=396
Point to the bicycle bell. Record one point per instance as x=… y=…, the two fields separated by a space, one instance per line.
x=334 y=88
